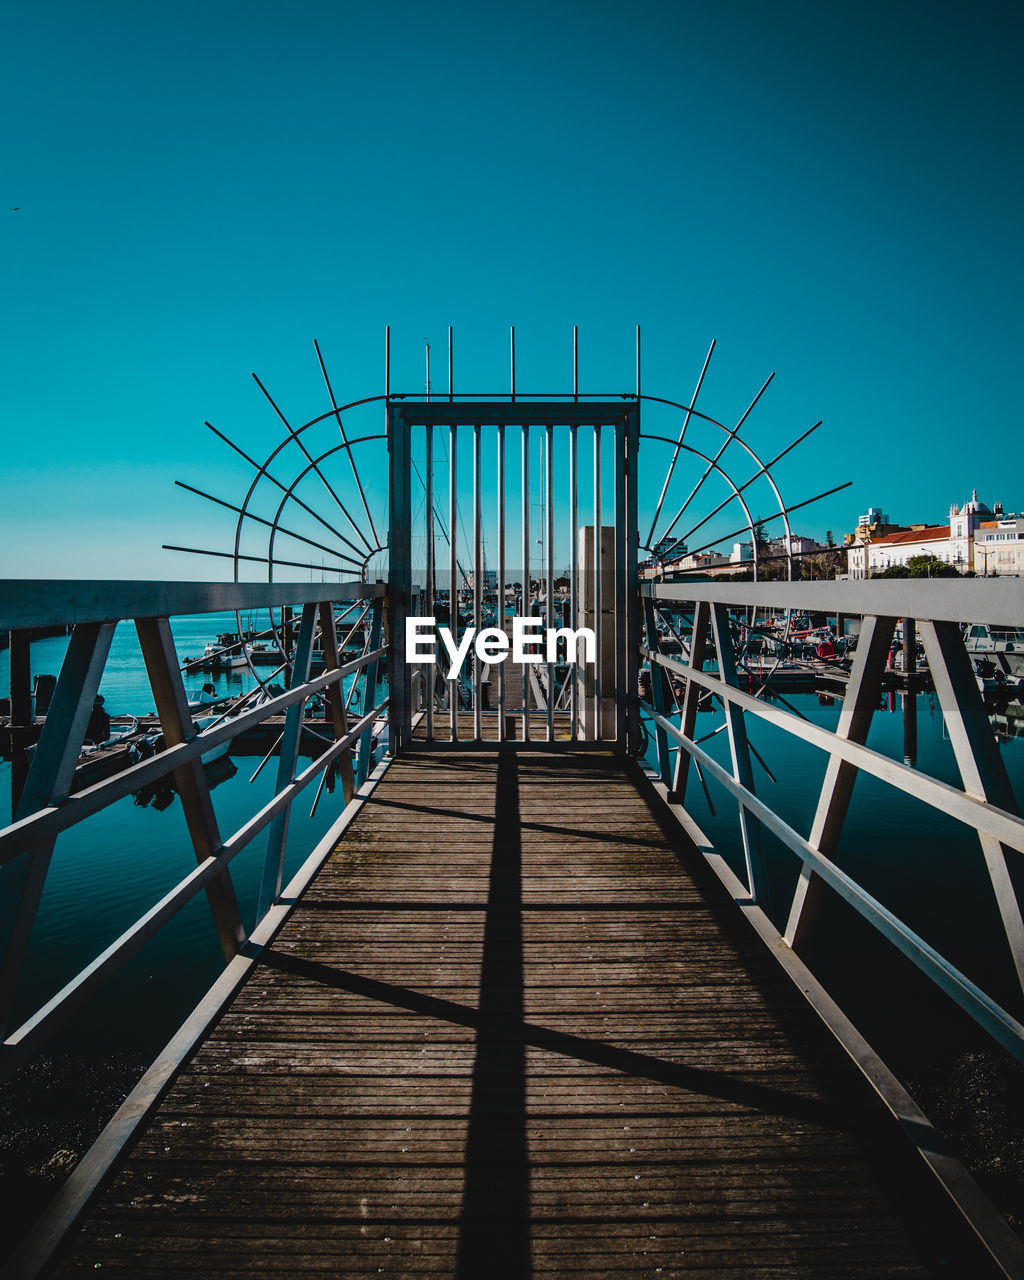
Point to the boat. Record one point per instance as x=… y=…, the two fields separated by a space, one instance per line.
x=221 y=749
x=207 y=698
x=992 y=680
x=1003 y=646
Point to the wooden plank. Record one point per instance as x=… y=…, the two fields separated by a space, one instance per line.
x=509 y=1030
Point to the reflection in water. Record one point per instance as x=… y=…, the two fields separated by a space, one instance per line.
x=160 y=795
x=909 y=727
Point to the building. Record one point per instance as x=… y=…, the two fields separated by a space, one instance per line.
x=741 y=557
x=866 y=558
x=999 y=546
x=877 y=544
x=874 y=523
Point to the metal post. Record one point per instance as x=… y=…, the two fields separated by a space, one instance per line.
x=399 y=578
x=632 y=584
x=549 y=499
x=861 y=698
x=50 y=778
x=370 y=692
x=621 y=604
x=598 y=541
x=739 y=749
x=691 y=694
x=176 y=725
x=909 y=646
x=977 y=756
x=273 y=864
x=335 y=696
x=501 y=575
x=477 y=583
x=659 y=678
x=453 y=590
x=574 y=619
x=430 y=669
x=526 y=565
x=19 y=656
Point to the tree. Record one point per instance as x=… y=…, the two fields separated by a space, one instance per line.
x=826 y=563
x=925 y=566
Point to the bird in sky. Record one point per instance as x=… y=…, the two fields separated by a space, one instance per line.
x=15 y=209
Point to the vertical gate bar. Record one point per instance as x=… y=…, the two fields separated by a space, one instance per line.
x=691 y=694
x=619 y=583
x=574 y=621
x=430 y=669
x=526 y=569
x=370 y=684
x=50 y=777
x=501 y=575
x=399 y=577
x=859 y=702
x=598 y=638
x=659 y=679
x=453 y=591
x=387 y=363
x=273 y=865
x=632 y=580
x=176 y=726
x=549 y=497
x=477 y=583
x=982 y=769
x=335 y=696
x=739 y=749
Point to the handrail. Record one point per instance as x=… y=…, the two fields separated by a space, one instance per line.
x=938 y=599
x=23 y=1042
x=28 y=602
x=45 y=809
x=985 y=802
x=48 y=823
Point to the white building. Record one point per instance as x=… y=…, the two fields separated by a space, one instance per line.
x=876 y=545
x=964 y=523
x=999 y=546
x=865 y=559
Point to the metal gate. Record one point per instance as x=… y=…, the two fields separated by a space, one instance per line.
x=531 y=481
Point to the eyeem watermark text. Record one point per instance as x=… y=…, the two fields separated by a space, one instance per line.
x=531 y=642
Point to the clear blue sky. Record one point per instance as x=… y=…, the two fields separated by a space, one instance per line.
x=833 y=192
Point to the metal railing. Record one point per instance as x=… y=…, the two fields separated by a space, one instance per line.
x=704 y=613
x=47 y=806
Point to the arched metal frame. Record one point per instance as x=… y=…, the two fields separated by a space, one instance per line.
x=349 y=553
x=763 y=469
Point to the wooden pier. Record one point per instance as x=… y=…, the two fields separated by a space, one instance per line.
x=515 y=1027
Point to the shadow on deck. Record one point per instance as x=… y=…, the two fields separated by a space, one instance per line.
x=514 y=1028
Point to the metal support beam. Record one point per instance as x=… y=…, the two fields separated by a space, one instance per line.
x=978 y=759
x=861 y=698
x=659 y=689
x=739 y=749
x=400 y=576
x=336 y=696
x=691 y=694
x=49 y=779
x=370 y=694
x=176 y=725
x=273 y=865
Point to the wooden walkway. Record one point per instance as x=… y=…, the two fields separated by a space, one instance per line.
x=511 y=1031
